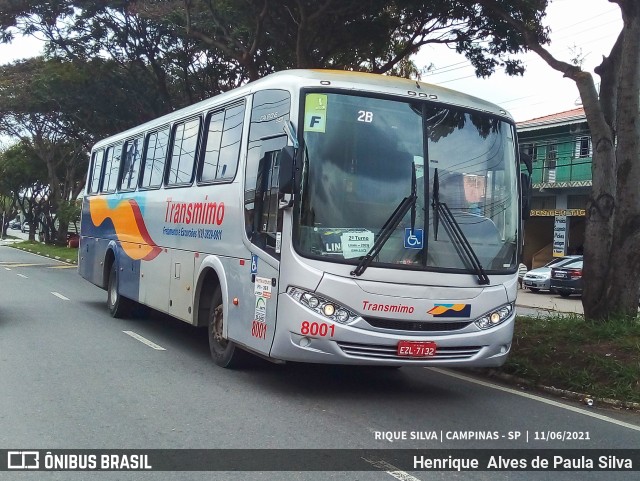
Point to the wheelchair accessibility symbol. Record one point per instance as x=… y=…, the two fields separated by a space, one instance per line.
x=413 y=240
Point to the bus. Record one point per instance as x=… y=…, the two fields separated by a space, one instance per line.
x=317 y=216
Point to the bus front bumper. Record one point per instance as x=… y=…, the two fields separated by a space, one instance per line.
x=352 y=344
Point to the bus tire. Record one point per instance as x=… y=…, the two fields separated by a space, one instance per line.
x=118 y=305
x=223 y=352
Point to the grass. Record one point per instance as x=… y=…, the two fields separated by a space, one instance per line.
x=601 y=360
x=64 y=253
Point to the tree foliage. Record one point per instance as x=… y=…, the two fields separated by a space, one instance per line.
x=23 y=182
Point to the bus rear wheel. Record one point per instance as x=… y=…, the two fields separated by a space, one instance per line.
x=118 y=306
x=223 y=352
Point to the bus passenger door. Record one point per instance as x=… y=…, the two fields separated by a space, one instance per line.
x=264 y=231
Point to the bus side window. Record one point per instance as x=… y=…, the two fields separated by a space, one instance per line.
x=96 y=171
x=183 y=152
x=231 y=140
x=111 y=168
x=131 y=164
x=269 y=113
x=211 y=146
x=155 y=155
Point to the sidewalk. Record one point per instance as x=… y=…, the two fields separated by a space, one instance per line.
x=548 y=301
x=8 y=242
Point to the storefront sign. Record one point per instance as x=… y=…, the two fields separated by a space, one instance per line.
x=560 y=236
x=555 y=212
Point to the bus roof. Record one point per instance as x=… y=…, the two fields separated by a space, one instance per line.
x=324 y=78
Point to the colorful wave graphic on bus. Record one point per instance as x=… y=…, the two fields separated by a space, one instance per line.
x=450 y=310
x=129 y=225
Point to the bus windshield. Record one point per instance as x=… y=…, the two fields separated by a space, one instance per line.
x=360 y=156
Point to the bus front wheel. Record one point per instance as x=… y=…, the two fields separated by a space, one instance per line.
x=224 y=352
x=118 y=306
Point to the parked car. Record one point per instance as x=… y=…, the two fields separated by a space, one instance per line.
x=567 y=280
x=14 y=224
x=25 y=227
x=540 y=279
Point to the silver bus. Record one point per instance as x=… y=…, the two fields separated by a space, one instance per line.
x=317 y=216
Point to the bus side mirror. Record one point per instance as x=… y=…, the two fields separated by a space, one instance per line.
x=286 y=170
x=525 y=189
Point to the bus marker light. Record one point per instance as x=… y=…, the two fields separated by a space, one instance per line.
x=235 y=301
x=342 y=315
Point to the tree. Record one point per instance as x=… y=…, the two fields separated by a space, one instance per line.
x=39 y=106
x=23 y=184
x=196 y=48
x=612 y=235
x=262 y=36
x=171 y=68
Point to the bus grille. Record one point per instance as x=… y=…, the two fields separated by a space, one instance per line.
x=416 y=326
x=372 y=351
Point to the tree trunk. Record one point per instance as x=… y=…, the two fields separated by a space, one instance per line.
x=613 y=275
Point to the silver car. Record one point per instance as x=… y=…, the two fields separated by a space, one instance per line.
x=540 y=279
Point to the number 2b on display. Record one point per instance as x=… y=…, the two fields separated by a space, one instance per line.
x=365 y=116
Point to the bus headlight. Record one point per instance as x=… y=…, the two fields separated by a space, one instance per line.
x=318 y=304
x=496 y=317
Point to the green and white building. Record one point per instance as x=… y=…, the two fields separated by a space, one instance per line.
x=561 y=150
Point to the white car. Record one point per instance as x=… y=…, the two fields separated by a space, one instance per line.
x=540 y=279
x=25 y=227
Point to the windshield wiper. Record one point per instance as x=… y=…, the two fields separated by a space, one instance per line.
x=390 y=225
x=461 y=243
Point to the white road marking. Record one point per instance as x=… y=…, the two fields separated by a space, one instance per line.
x=57 y=294
x=144 y=340
x=537 y=398
x=22 y=275
x=7 y=269
x=391 y=470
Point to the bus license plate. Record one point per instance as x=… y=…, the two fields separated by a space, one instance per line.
x=417 y=348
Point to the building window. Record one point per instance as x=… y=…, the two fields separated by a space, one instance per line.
x=552 y=155
x=583 y=147
x=531 y=150
x=543 y=202
x=550 y=163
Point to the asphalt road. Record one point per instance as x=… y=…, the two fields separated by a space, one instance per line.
x=72 y=378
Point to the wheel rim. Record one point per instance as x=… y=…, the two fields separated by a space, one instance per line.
x=113 y=292
x=216 y=328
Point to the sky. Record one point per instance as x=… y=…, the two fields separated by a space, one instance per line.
x=590 y=25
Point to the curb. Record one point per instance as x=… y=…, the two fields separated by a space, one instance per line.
x=548 y=309
x=587 y=399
